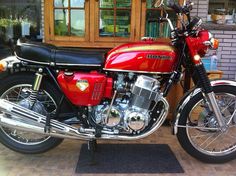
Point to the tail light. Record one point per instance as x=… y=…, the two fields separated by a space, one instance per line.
x=3 y=66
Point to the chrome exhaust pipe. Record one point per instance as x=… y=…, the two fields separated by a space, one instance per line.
x=20 y=118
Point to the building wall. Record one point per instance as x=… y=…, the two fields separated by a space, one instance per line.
x=227 y=48
x=200 y=9
x=226 y=52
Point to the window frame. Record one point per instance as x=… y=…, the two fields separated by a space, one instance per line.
x=98 y=38
x=49 y=26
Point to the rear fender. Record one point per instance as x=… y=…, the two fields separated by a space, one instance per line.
x=187 y=97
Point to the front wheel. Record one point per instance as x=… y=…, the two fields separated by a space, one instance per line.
x=204 y=141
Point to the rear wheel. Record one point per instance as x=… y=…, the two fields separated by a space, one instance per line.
x=205 y=141
x=17 y=88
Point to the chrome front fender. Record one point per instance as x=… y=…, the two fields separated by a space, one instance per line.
x=187 y=97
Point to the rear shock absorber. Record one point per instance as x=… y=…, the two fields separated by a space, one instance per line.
x=36 y=87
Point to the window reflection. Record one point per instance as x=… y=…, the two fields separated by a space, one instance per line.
x=61 y=3
x=115 y=18
x=19 y=19
x=69 y=21
x=61 y=22
x=77 y=22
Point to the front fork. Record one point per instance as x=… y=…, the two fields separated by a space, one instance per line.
x=209 y=95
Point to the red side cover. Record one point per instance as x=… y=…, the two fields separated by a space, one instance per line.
x=85 y=89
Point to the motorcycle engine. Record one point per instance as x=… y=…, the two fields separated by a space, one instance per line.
x=130 y=111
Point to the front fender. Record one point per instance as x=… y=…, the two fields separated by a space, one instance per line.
x=187 y=97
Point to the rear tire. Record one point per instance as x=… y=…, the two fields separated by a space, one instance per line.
x=200 y=143
x=15 y=144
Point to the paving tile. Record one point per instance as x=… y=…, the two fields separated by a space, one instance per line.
x=62 y=160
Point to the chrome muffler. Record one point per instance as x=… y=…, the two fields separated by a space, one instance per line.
x=17 y=117
x=20 y=118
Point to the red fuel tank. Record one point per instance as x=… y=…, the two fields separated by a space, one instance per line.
x=142 y=57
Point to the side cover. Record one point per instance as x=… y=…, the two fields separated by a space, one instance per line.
x=85 y=89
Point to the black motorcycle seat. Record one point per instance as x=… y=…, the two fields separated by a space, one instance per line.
x=46 y=54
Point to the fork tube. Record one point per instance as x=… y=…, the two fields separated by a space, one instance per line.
x=210 y=95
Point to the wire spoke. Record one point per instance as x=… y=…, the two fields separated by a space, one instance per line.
x=213 y=141
x=18 y=93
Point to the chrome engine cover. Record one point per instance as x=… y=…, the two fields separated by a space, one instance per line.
x=132 y=115
x=114 y=118
x=136 y=119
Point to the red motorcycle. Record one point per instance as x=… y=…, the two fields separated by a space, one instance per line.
x=48 y=93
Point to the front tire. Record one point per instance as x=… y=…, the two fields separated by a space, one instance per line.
x=207 y=145
x=20 y=141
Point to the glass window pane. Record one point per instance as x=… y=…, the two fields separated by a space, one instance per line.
x=123 y=3
x=61 y=22
x=106 y=28
x=19 y=19
x=106 y=3
x=77 y=22
x=123 y=23
x=152 y=26
x=77 y=3
x=61 y=3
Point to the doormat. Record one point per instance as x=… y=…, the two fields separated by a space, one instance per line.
x=129 y=158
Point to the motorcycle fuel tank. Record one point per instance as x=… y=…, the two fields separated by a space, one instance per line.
x=142 y=57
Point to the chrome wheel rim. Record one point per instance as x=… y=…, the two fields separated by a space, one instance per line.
x=16 y=94
x=213 y=142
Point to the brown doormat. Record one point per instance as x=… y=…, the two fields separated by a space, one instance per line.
x=129 y=158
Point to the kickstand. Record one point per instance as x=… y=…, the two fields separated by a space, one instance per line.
x=92 y=148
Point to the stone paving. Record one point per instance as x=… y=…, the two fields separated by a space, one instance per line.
x=62 y=160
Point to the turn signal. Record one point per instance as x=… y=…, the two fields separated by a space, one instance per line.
x=3 y=66
x=214 y=43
